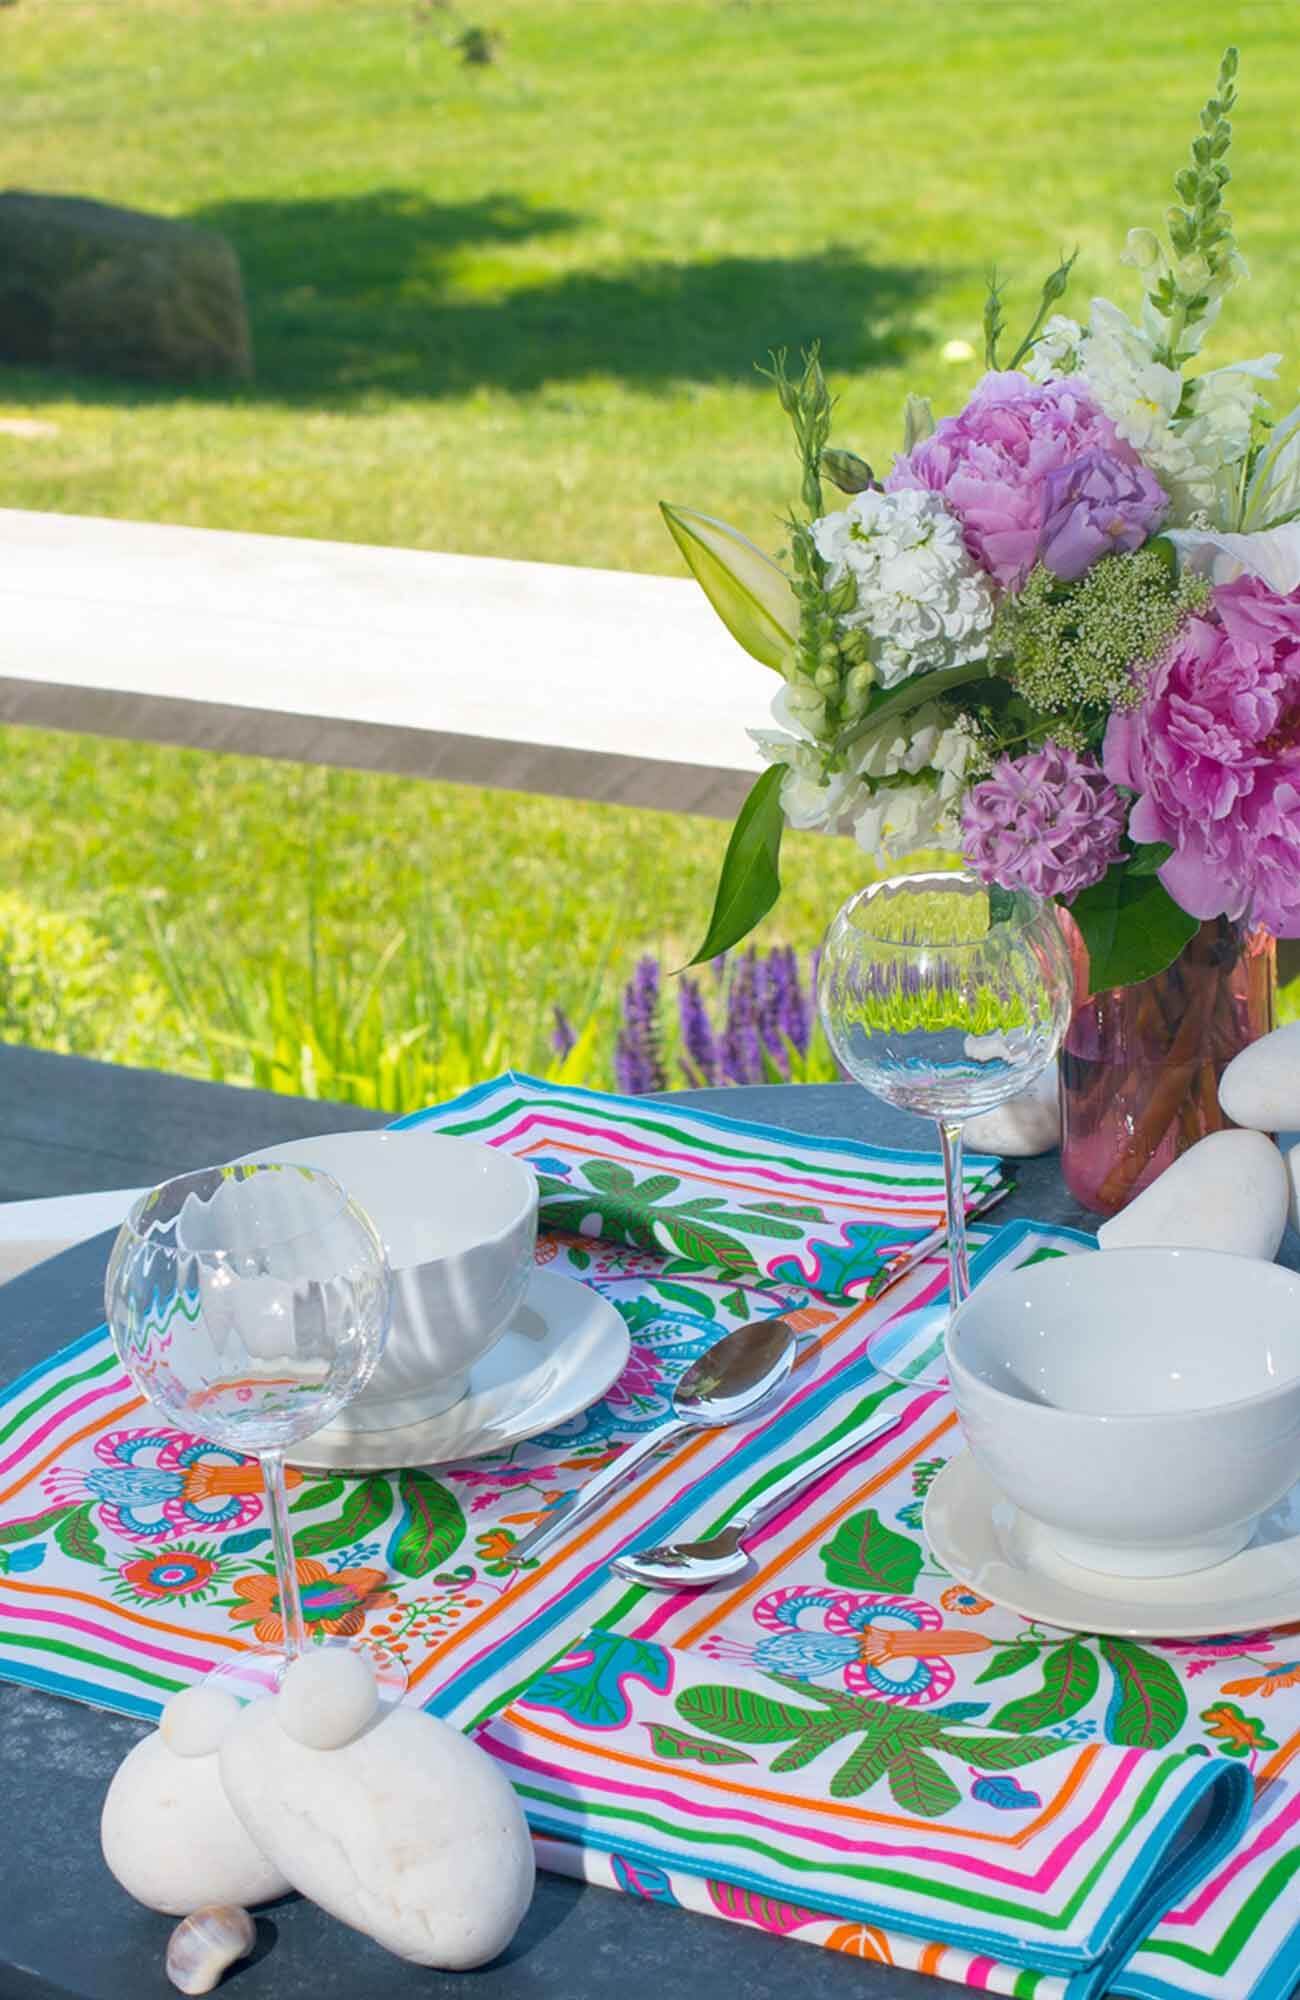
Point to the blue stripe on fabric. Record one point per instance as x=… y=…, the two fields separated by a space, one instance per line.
x=93 y=1693
x=50 y=1361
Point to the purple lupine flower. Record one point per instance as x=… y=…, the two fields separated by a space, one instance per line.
x=793 y=1011
x=638 y=1054
x=742 y=1054
x=564 y=1036
x=699 y=1043
x=768 y=992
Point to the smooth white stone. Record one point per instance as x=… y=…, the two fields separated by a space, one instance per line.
x=1228 y=1192
x=172 y=1838
x=1261 y=1086
x=206 y=1944
x=1027 y=1124
x=327 y=1697
x=410 y=1833
x=1293 y=1179
x=195 y=1720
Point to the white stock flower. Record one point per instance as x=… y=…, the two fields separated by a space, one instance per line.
x=1056 y=350
x=1135 y=391
x=921 y=600
x=809 y=799
x=899 y=819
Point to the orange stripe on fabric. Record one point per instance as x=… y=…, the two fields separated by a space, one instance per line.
x=720 y=1611
x=119 y=1611
x=88 y=1430
x=931 y=1958
x=734 y=1787
x=1278 y=1762
x=677 y=1462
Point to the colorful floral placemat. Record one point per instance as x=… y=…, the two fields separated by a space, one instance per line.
x=131 y=1557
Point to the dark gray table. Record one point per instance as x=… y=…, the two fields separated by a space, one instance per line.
x=65 y=1926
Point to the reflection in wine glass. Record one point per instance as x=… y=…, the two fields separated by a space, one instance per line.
x=249 y=1304
x=945 y=997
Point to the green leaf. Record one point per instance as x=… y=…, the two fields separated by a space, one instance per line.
x=1149 y=857
x=865 y=1767
x=1070 y=1677
x=1013 y=1660
x=322 y=1494
x=750 y=594
x=921 y=1786
x=75 y=1535
x=1148 y=1707
x=864 y=1554
x=999 y=1753
x=367 y=1506
x=750 y=881
x=806 y=1748
x=432 y=1526
x=685 y=1295
x=679 y=1748
x=1132 y=927
x=742 y=1716
x=33 y=1525
x=611 y=1177
x=705 y=1244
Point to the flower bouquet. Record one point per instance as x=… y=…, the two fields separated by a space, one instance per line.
x=1061 y=634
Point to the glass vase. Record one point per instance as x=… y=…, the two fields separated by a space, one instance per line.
x=1140 y=1065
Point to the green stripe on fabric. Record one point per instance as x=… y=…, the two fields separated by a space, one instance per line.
x=1257 y=1904
x=1026 y=1985
x=31 y=1644
x=59 y=1388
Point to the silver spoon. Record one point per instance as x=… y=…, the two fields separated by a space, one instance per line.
x=739 y=1372
x=720 y=1558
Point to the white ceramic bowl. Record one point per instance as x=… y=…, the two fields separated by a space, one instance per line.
x=459 y=1223
x=1142 y=1405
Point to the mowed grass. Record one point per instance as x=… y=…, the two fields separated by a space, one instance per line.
x=504 y=312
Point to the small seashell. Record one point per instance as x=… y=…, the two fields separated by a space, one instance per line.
x=202 y=1946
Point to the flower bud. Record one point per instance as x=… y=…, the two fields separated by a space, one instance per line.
x=918 y=421
x=827 y=680
x=844 y=596
x=1142 y=250
x=861 y=680
x=847 y=471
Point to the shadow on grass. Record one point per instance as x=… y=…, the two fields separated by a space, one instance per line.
x=360 y=296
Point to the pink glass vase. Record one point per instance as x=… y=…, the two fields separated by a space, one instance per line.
x=1140 y=1065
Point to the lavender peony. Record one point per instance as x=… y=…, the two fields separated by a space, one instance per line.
x=1049 y=822
x=1095 y=506
x=993 y=461
x=1213 y=751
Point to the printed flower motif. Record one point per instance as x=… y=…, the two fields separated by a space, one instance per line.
x=1269 y=1683
x=1229 y=1646
x=181 y=1571
x=641 y=1377
x=967 y=1603
x=1238 y=1734
x=338 y=1603
x=149 y=1483
x=492 y=1550
x=892 y=1647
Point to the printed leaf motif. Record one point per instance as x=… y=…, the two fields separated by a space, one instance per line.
x=741 y=1716
x=431 y=1528
x=75 y=1535
x=806 y=1748
x=865 y=1767
x=705 y=1244
x=760 y=1222
x=748 y=1907
x=587 y=1686
x=864 y=1554
x=679 y=1748
x=611 y=1177
x=960 y=1711
x=861 y=1941
x=366 y=1508
x=686 y=1295
x=1148 y=1707
x=34 y=1524
x=921 y=1786
x=1070 y=1677
x=1012 y=1661
x=635 y=1212
x=793 y=1211
x=239 y=1545
x=1005 y=1794
x=321 y=1493
x=642 y=1878
x=999 y=1753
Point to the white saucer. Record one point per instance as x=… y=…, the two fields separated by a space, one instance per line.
x=988 y=1544
x=562 y=1350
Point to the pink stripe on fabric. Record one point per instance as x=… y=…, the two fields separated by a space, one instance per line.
x=1045 y=1878
x=60 y=1417
x=92 y=1631
x=904 y=1196
x=1267 y=1837
x=979 y=1972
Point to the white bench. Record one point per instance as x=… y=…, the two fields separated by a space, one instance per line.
x=580 y=682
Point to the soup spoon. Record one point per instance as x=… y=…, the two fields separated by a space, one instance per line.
x=738 y=1373
x=720 y=1558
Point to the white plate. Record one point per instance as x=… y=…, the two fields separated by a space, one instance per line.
x=563 y=1349
x=988 y=1544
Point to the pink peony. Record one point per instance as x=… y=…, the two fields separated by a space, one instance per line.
x=992 y=464
x=1048 y=822
x=1213 y=750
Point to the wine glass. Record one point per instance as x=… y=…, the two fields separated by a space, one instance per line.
x=249 y=1303
x=943 y=996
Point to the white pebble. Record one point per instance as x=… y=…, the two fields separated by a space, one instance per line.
x=1027 y=1124
x=327 y=1697
x=1261 y=1086
x=1227 y=1192
x=195 y=1720
x=203 y=1946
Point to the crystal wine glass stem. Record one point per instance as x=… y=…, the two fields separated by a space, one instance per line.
x=955 y=1195
x=286 y=1574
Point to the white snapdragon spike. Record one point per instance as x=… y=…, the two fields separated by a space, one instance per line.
x=921 y=600
x=1135 y=391
x=1273 y=494
x=899 y=819
x=810 y=801
x=1056 y=350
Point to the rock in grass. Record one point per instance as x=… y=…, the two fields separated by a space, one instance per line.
x=1228 y=1192
x=114 y=291
x=1261 y=1086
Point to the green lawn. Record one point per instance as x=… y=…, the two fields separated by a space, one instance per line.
x=504 y=312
